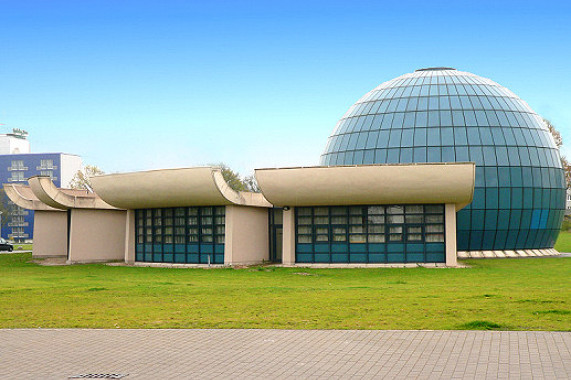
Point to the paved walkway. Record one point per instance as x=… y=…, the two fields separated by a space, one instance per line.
x=284 y=354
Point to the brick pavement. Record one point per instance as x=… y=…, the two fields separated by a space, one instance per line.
x=284 y=354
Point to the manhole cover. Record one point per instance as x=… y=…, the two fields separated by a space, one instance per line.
x=98 y=376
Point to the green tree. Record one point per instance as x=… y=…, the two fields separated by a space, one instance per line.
x=559 y=142
x=6 y=208
x=235 y=181
x=81 y=179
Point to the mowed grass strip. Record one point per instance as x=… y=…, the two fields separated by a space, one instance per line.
x=563 y=243
x=501 y=294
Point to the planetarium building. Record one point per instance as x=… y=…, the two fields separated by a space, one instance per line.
x=425 y=168
x=445 y=115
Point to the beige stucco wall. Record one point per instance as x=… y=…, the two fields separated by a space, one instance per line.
x=288 y=247
x=50 y=234
x=246 y=236
x=450 y=230
x=130 y=237
x=97 y=235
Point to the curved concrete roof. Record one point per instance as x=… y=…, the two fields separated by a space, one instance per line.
x=24 y=197
x=369 y=184
x=45 y=190
x=199 y=186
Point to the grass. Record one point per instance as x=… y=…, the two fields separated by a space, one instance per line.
x=563 y=243
x=499 y=294
x=23 y=246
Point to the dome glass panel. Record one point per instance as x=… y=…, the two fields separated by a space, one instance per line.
x=445 y=115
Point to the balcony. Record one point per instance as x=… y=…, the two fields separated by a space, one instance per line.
x=18 y=224
x=18 y=236
x=17 y=168
x=19 y=212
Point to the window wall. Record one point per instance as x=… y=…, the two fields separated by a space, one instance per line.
x=370 y=234
x=180 y=235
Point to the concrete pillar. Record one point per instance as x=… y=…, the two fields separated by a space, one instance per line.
x=229 y=235
x=130 y=237
x=288 y=253
x=450 y=231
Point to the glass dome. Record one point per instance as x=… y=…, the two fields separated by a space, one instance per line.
x=445 y=115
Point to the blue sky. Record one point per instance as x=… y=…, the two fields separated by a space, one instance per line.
x=135 y=85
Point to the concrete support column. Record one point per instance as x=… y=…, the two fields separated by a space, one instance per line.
x=70 y=235
x=130 y=237
x=450 y=231
x=288 y=253
x=229 y=235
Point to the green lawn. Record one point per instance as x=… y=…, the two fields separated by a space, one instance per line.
x=506 y=294
x=563 y=242
x=23 y=247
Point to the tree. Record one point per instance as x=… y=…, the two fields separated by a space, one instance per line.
x=559 y=142
x=6 y=208
x=235 y=181
x=81 y=179
x=554 y=132
x=251 y=184
x=231 y=177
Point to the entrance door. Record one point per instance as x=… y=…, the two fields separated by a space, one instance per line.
x=276 y=234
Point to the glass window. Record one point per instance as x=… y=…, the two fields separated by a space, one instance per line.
x=395 y=219
x=433 y=119
x=486 y=136
x=194 y=225
x=407 y=138
x=447 y=136
x=434 y=218
x=17 y=165
x=396 y=209
x=47 y=164
x=414 y=209
x=409 y=120
x=376 y=210
x=434 y=238
x=433 y=136
x=421 y=119
x=422 y=104
x=448 y=154
x=470 y=118
x=419 y=154
x=394 y=139
x=434 y=154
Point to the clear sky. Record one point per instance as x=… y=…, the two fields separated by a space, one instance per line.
x=135 y=85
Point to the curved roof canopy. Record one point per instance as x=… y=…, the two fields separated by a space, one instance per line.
x=24 y=197
x=369 y=184
x=200 y=186
x=64 y=199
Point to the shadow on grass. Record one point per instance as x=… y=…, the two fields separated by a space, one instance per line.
x=480 y=325
x=554 y=311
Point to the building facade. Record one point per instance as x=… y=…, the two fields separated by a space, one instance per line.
x=445 y=115
x=17 y=164
x=424 y=169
